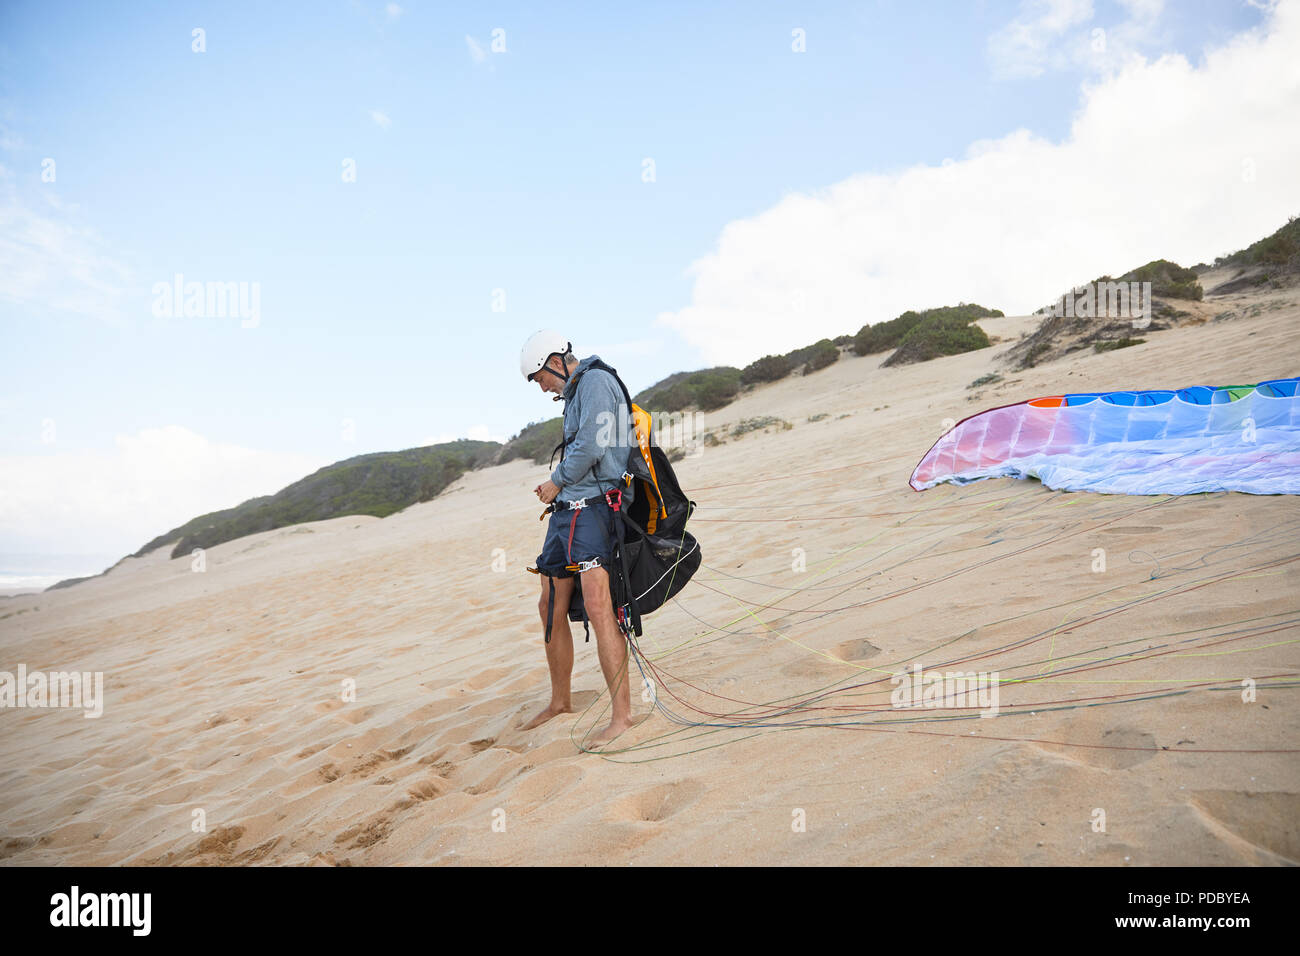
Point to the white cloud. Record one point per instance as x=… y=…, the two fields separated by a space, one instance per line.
x=476 y=52
x=114 y=501
x=1158 y=163
x=381 y=119
x=1028 y=44
x=393 y=11
x=1143 y=10
x=50 y=261
x=1051 y=35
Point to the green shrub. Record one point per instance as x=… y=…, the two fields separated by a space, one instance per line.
x=819 y=355
x=535 y=442
x=747 y=425
x=717 y=390
x=708 y=388
x=673 y=398
x=938 y=335
x=884 y=336
x=1116 y=344
x=1168 y=280
x=770 y=368
x=1277 y=250
x=1281 y=249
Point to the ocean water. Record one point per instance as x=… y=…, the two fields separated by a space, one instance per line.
x=36 y=572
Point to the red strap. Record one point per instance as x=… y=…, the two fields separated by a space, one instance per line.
x=568 y=553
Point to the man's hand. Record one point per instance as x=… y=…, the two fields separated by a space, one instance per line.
x=547 y=491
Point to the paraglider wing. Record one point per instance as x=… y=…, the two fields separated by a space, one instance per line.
x=1176 y=442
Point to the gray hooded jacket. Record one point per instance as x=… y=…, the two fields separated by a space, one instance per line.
x=599 y=432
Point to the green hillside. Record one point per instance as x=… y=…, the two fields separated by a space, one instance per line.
x=378 y=484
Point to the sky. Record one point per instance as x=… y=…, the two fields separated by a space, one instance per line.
x=404 y=192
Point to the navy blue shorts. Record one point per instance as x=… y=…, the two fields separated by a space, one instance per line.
x=577 y=536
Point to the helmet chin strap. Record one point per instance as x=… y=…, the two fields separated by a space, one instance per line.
x=562 y=376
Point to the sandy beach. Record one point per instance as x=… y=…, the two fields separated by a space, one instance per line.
x=1121 y=694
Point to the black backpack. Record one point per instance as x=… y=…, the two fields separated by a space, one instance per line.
x=654 y=554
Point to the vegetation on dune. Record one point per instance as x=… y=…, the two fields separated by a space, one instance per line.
x=747 y=425
x=377 y=484
x=1112 y=344
x=708 y=389
x=535 y=441
x=1278 y=252
x=936 y=335
x=814 y=357
x=769 y=368
x=711 y=388
x=990 y=379
x=716 y=389
x=1168 y=280
x=810 y=358
x=1103 y=327
x=884 y=336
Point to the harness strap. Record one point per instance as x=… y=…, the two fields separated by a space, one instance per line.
x=550 y=607
x=634 y=624
x=573 y=525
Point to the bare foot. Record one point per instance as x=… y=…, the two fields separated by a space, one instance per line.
x=552 y=710
x=609 y=732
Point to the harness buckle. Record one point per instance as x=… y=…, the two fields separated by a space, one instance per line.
x=577 y=504
x=614 y=498
x=583 y=565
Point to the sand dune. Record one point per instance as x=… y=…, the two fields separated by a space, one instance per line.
x=224 y=687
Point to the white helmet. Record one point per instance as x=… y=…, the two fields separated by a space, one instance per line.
x=539 y=348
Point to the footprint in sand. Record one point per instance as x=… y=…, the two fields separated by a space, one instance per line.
x=858 y=650
x=430 y=788
x=372 y=762
x=478 y=746
x=1269 y=821
x=11 y=845
x=365 y=835
x=221 y=844
x=658 y=803
x=1132 y=747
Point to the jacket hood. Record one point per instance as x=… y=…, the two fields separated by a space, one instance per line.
x=572 y=383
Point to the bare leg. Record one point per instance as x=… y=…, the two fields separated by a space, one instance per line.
x=559 y=652
x=611 y=647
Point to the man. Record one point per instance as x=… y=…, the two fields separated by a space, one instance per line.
x=579 y=540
